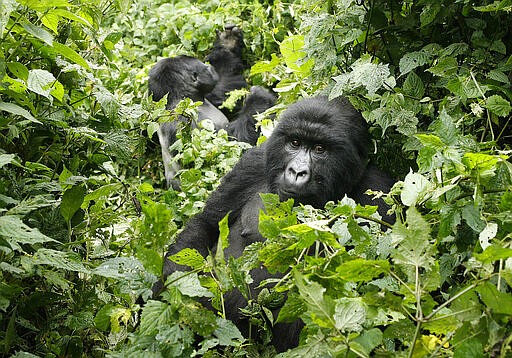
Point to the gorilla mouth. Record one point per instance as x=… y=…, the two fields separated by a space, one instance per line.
x=304 y=198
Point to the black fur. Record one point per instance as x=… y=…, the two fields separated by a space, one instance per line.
x=243 y=127
x=178 y=78
x=317 y=153
x=226 y=58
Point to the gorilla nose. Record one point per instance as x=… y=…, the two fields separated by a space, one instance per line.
x=297 y=176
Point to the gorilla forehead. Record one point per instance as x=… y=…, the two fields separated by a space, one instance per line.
x=320 y=120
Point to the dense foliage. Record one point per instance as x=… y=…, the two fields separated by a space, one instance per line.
x=85 y=218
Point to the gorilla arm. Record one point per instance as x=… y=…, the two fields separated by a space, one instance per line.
x=236 y=191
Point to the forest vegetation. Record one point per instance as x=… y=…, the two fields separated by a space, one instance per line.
x=85 y=216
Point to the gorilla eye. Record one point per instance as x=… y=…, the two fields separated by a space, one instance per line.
x=319 y=148
x=194 y=76
x=295 y=142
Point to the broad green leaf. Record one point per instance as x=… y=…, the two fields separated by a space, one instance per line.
x=497 y=301
x=365 y=73
x=70 y=54
x=350 y=314
x=369 y=340
x=498 y=105
x=71 y=201
x=320 y=307
x=51 y=21
x=42 y=82
x=292 y=308
x=413 y=86
x=227 y=333
x=43 y=5
x=60 y=260
x=155 y=314
x=39 y=32
x=69 y=15
x=412 y=60
x=102 y=192
x=224 y=233
x=188 y=284
x=19 y=70
x=201 y=320
x=469 y=348
x=362 y=270
x=265 y=66
x=473 y=217
x=11 y=227
x=415 y=189
x=152 y=128
x=494 y=253
x=17 y=110
x=6 y=7
x=482 y=165
x=189 y=257
x=429 y=13
x=7 y=159
x=444 y=67
x=291 y=49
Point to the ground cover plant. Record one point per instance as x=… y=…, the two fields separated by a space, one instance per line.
x=85 y=217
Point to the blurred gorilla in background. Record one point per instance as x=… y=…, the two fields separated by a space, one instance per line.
x=181 y=77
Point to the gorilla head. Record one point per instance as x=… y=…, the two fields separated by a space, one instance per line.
x=318 y=151
x=180 y=77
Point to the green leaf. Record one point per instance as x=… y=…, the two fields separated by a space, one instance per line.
x=7 y=159
x=42 y=82
x=320 y=308
x=415 y=189
x=362 y=270
x=70 y=54
x=61 y=260
x=444 y=67
x=494 y=253
x=155 y=314
x=19 y=70
x=17 y=110
x=227 y=333
x=292 y=308
x=498 y=105
x=497 y=301
x=412 y=60
x=469 y=348
x=189 y=257
x=11 y=227
x=69 y=15
x=350 y=314
x=481 y=165
x=188 y=284
x=369 y=340
x=71 y=201
x=413 y=86
x=39 y=32
x=43 y=5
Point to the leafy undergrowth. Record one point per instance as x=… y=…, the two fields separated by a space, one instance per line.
x=85 y=219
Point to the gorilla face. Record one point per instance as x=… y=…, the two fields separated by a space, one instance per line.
x=318 y=151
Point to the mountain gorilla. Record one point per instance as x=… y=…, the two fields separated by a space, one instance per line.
x=226 y=58
x=317 y=153
x=180 y=77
